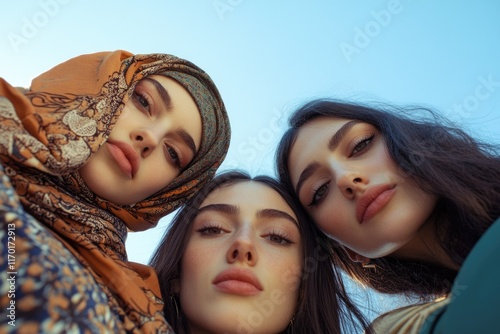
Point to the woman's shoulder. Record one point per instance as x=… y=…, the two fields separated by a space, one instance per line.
x=482 y=257
x=475 y=294
x=408 y=319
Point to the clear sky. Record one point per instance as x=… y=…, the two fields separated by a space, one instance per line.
x=268 y=57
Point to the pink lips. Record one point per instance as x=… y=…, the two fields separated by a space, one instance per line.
x=125 y=156
x=372 y=201
x=238 y=281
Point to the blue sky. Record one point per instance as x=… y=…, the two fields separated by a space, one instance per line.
x=268 y=57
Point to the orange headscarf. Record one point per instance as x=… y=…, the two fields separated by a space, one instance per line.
x=47 y=134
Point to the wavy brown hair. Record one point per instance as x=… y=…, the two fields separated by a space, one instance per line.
x=462 y=172
x=323 y=305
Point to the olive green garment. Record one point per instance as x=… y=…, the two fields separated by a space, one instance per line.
x=474 y=305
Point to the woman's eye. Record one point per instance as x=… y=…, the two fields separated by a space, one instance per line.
x=362 y=145
x=174 y=157
x=279 y=238
x=319 y=194
x=211 y=230
x=142 y=101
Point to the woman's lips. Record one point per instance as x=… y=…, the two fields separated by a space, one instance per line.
x=372 y=201
x=125 y=156
x=237 y=281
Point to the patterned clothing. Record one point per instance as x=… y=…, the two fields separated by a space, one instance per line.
x=44 y=287
x=49 y=132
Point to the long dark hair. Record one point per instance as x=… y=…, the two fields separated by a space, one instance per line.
x=463 y=172
x=323 y=306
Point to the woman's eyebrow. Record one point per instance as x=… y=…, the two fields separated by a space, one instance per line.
x=306 y=173
x=162 y=92
x=273 y=213
x=223 y=208
x=337 y=138
x=187 y=139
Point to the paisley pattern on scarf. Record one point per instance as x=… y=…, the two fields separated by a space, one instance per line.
x=48 y=133
x=45 y=288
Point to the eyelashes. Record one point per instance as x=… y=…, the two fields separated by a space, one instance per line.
x=210 y=229
x=319 y=194
x=279 y=237
x=173 y=156
x=142 y=100
x=362 y=144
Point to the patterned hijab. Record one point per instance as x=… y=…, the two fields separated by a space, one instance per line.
x=49 y=132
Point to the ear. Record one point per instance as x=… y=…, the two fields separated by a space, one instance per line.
x=355 y=257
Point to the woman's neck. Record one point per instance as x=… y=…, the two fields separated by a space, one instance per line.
x=426 y=247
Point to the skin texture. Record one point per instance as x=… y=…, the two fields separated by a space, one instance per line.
x=339 y=179
x=258 y=234
x=161 y=128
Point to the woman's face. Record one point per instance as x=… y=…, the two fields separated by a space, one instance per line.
x=155 y=138
x=241 y=268
x=347 y=181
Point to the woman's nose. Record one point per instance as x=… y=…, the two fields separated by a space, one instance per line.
x=349 y=179
x=242 y=250
x=350 y=183
x=146 y=140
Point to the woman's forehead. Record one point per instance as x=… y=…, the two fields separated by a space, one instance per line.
x=248 y=194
